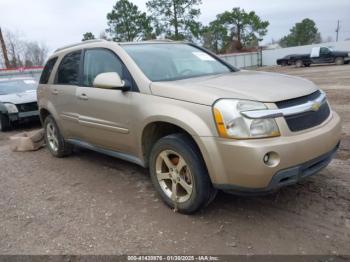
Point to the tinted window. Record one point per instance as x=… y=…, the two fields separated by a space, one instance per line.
x=324 y=51
x=166 y=62
x=68 y=71
x=45 y=75
x=97 y=61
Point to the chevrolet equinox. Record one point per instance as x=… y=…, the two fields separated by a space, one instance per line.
x=195 y=121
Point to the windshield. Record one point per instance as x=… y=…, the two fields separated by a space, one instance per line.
x=17 y=86
x=166 y=62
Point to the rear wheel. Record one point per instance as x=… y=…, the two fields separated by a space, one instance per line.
x=54 y=140
x=179 y=174
x=299 y=63
x=5 y=124
x=339 y=61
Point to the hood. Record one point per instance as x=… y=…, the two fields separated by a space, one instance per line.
x=250 y=85
x=19 y=98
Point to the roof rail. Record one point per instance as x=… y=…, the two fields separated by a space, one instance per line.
x=80 y=43
x=160 y=40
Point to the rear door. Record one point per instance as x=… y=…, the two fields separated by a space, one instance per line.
x=63 y=93
x=104 y=114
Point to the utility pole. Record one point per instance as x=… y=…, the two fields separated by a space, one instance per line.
x=337 y=30
x=4 y=50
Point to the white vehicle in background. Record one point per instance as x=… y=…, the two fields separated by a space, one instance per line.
x=18 y=101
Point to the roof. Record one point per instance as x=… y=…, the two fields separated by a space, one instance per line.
x=94 y=41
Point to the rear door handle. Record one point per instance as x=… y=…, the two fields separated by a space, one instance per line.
x=54 y=92
x=83 y=97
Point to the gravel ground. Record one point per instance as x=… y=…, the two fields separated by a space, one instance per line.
x=93 y=204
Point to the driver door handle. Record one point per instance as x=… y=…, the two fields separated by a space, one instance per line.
x=54 y=92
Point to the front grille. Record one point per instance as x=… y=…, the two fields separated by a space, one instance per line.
x=27 y=107
x=299 y=122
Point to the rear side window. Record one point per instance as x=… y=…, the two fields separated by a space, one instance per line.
x=68 y=71
x=45 y=75
x=97 y=61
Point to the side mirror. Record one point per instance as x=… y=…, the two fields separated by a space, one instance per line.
x=110 y=80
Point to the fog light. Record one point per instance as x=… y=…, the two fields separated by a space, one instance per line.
x=271 y=159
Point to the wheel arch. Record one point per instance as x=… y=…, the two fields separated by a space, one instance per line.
x=43 y=113
x=155 y=130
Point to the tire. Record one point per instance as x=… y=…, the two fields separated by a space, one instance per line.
x=193 y=172
x=307 y=65
x=284 y=63
x=339 y=61
x=5 y=124
x=54 y=140
x=299 y=63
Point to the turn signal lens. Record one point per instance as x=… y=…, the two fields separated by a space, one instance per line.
x=231 y=123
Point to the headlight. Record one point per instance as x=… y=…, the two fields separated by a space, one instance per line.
x=232 y=124
x=11 y=108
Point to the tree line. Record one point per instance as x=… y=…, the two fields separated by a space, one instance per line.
x=178 y=20
x=21 y=53
x=230 y=31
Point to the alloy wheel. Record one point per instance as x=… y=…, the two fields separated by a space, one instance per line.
x=174 y=176
x=51 y=134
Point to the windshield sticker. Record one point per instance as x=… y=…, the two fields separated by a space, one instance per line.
x=203 y=56
x=29 y=82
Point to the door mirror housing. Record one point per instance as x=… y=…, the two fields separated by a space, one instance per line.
x=110 y=80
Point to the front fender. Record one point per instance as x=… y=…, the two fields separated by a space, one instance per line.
x=197 y=120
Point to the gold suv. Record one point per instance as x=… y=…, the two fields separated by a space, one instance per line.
x=195 y=121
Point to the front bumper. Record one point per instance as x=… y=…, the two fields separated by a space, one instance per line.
x=286 y=177
x=239 y=165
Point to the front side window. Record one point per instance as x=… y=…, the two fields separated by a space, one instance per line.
x=68 y=71
x=324 y=51
x=167 y=62
x=45 y=75
x=97 y=61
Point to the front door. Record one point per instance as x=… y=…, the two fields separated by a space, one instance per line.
x=325 y=56
x=104 y=113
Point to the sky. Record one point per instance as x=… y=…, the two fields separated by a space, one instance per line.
x=61 y=22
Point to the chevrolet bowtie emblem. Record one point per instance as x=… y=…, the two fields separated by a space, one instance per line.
x=315 y=107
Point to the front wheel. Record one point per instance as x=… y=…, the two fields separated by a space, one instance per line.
x=299 y=63
x=339 y=61
x=179 y=174
x=54 y=140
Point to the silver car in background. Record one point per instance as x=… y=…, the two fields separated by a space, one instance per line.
x=18 y=101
